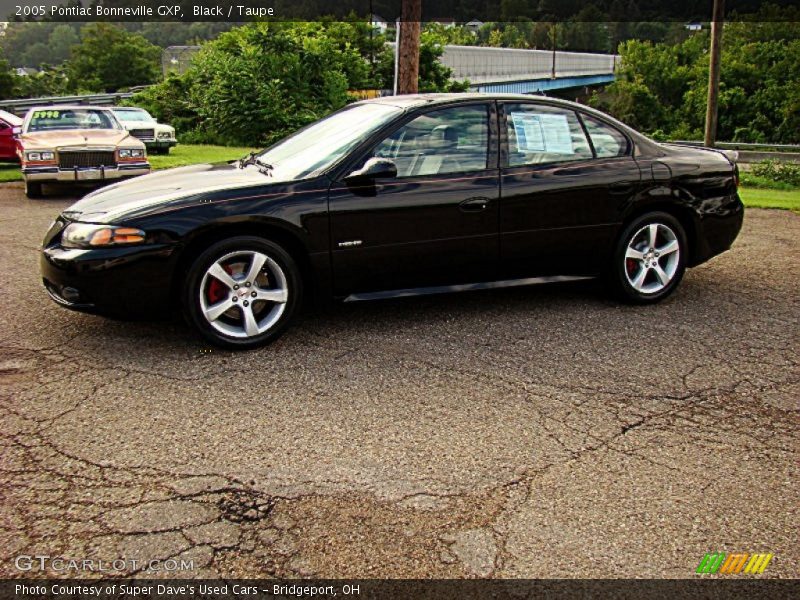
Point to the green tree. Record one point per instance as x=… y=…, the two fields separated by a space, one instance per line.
x=7 y=80
x=433 y=75
x=662 y=87
x=109 y=58
x=259 y=82
x=60 y=42
x=36 y=55
x=50 y=81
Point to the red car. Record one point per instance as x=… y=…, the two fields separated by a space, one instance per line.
x=8 y=140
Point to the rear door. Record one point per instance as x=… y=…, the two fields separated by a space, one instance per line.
x=434 y=224
x=562 y=197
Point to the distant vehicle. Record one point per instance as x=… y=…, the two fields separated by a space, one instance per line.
x=398 y=196
x=69 y=144
x=158 y=137
x=9 y=126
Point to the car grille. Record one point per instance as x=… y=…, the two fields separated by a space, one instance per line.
x=70 y=160
x=143 y=134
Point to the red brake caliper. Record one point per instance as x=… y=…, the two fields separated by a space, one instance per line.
x=216 y=290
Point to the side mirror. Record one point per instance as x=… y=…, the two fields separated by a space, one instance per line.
x=375 y=168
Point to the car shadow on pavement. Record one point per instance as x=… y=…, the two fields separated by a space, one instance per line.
x=171 y=333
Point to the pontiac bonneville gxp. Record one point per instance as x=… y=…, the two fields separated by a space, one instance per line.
x=394 y=197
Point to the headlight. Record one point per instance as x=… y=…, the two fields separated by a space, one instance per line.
x=39 y=156
x=165 y=135
x=131 y=153
x=86 y=235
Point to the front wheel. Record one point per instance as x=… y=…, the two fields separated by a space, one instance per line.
x=242 y=292
x=649 y=259
x=33 y=189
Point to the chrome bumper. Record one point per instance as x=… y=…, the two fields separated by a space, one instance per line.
x=160 y=143
x=85 y=174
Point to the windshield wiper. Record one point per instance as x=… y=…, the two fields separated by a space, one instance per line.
x=252 y=159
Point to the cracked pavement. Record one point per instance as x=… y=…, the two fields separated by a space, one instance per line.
x=532 y=432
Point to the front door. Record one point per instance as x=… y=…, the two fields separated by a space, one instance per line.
x=436 y=222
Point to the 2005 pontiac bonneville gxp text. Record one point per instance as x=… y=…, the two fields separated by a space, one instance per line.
x=393 y=197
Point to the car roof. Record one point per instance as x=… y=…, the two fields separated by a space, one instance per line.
x=411 y=100
x=10 y=118
x=68 y=107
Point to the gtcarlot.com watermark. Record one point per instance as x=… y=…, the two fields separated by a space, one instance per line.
x=59 y=564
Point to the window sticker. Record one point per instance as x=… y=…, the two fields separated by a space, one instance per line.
x=528 y=128
x=46 y=114
x=542 y=132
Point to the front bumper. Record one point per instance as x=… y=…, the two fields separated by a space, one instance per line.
x=133 y=281
x=162 y=143
x=85 y=174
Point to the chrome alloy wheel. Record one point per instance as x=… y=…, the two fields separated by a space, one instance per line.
x=243 y=294
x=652 y=258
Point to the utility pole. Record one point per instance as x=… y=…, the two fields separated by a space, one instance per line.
x=554 y=35
x=717 y=22
x=371 y=45
x=407 y=62
x=396 y=55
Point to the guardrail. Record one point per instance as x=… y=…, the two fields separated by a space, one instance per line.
x=21 y=106
x=744 y=146
x=750 y=153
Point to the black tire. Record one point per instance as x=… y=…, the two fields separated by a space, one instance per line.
x=33 y=189
x=621 y=270
x=197 y=283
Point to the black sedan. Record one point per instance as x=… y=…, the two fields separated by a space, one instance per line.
x=394 y=197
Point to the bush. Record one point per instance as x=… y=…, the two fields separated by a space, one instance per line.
x=665 y=87
x=257 y=83
x=109 y=58
x=773 y=170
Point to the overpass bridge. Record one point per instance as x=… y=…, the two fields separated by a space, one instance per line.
x=511 y=70
x=489 y=69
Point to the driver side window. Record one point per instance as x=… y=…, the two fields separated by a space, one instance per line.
x=451 y=140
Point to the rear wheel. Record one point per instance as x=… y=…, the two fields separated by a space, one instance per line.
x=242 y=292
x=649 y=259
x=33 y=189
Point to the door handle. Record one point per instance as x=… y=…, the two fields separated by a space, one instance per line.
x=475 y=204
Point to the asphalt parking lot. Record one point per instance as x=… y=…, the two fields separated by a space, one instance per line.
x=539 y=432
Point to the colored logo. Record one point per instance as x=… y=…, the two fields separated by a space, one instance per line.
x=733 y=564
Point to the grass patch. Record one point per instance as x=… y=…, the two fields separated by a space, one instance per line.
x=9 y=172
x=192 y=154
x=179 y=156
x=749 y=180
x=765 y=198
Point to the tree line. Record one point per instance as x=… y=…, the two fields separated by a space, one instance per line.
x=254 y=83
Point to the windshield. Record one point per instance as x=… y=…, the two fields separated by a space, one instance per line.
x=318 y=146
x=71 y=118
x=134 y=116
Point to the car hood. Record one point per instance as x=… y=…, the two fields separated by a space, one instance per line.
x=169 y=188
x=154 y=126
x=77 y=138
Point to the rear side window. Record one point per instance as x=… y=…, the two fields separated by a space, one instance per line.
x=607 y=141
x=544 y=134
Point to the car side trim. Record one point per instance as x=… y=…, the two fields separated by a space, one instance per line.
x=465 y=287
